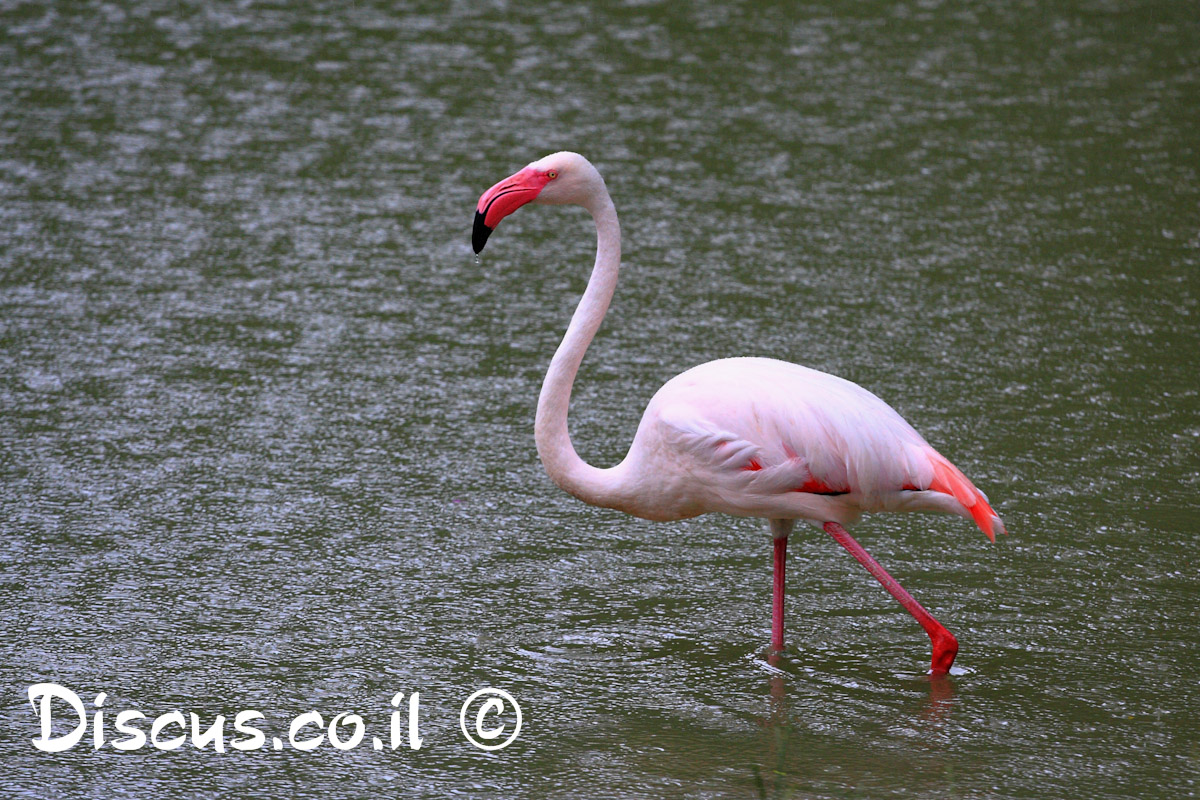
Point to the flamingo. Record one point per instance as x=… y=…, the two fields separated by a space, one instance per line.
x=752 y=437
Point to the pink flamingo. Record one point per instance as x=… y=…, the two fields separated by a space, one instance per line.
x=752 y=437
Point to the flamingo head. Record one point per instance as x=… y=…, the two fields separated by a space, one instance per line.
x=560 y=178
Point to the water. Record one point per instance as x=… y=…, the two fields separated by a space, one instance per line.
x=266 y=439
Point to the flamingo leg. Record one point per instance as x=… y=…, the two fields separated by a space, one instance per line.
x=777 y=594
x=780 y=529
x=945 y=646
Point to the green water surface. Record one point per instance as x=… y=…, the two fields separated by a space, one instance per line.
x=266 y=424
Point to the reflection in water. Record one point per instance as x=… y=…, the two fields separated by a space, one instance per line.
x=782 y=764
x=936 y=710
x=778 y=724
x=775 y=783
x=777 y=679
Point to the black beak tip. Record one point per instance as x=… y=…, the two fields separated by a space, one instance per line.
x=480 y=233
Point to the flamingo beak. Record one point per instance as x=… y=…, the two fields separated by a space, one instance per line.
x=503 y=199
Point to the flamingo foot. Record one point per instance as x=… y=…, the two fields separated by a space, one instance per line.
x=945 y=646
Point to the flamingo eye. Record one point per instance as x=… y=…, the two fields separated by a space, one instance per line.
x=552 y=174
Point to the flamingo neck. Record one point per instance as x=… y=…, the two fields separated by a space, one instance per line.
x=600 y=487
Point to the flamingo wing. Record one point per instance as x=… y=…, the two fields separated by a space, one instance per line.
x=754 y=466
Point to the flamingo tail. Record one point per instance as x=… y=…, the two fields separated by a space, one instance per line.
x=948 y=479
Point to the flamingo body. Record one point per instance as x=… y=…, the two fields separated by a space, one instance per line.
x=746 y=436
x=759 y=437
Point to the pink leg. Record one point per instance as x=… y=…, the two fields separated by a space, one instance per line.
x=780 y=530
x=945 y=646
x=777 y=593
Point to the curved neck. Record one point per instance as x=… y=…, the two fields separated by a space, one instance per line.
x=596 y=486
